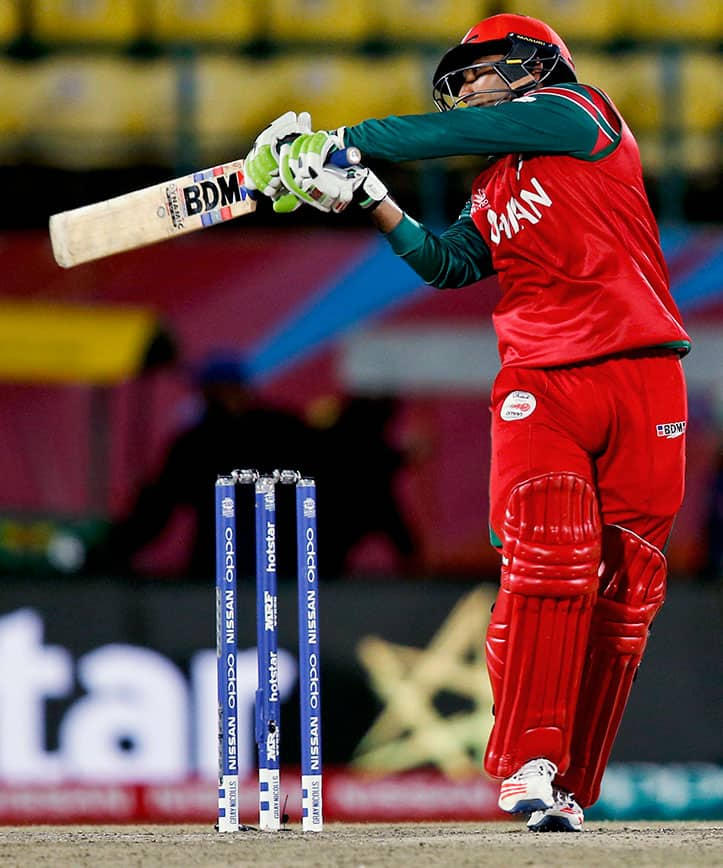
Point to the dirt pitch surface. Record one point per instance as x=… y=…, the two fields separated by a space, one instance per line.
x=364 y=846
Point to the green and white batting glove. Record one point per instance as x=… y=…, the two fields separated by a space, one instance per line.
x=330 y=191
x=333 y=189
x=261 y=166
x=304 y=173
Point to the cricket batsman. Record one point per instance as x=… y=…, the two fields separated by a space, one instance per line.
x=589 y=408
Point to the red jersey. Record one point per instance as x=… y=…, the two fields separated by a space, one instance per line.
x=576 y=249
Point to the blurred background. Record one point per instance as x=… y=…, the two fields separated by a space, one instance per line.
x=127 y=383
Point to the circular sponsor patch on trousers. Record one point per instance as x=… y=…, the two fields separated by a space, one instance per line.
x=517 y=405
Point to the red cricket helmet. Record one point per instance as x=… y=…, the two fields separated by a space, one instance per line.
x=524 y=42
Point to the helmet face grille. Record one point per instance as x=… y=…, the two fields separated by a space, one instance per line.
x=527 y=62
x=446 y=92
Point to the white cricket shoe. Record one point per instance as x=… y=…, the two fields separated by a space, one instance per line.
x=564 y=816
x=529 y=788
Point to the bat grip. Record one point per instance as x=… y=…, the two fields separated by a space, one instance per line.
x=345 y=158
x=342 y=159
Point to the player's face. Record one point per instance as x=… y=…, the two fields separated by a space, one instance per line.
x=482 y=85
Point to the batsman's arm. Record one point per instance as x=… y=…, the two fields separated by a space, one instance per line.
x=387 y=215
x=456 y=257
x=541 y=123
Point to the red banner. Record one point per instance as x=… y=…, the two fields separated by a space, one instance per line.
x=347 y=797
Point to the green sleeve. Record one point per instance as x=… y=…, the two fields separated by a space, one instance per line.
x=527 y=125
x=457 y=257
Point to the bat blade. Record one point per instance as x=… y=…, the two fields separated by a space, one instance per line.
x=153 y=214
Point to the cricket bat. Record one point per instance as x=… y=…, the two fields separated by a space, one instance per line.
x=159 y=212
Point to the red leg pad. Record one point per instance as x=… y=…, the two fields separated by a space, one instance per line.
x=632 y=590
x=551 y=545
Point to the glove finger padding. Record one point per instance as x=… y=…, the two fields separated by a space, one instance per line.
x=261 y=171
x=304 y=173
x=303 y=121
x=286 y=203
x=261 y=166
x=333 y=189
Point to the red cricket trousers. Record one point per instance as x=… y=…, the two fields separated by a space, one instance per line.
x=618 y=422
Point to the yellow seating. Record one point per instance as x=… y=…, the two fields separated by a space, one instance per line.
x=235 y=100
x=701 y=152
x=404 y=86
x=9 y=20
x=204 y=21
x=16 y=80
x=345 y=90
x=70 y=21
x=696 y=153
x=605 y=71
x=701 y=93
x=651 y=152
x=439 y=21
x=650 y=106
x=641 y=95
x=690 y=96
x=330 y=21
x=578 y=19
x=85 y=112
x=676 y=19
x=152 y=116
x=701 y=111
x=94 y=111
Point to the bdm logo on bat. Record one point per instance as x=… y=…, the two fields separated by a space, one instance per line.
x=219 y=192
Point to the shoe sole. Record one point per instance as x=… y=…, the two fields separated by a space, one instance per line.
x=527 y=805
x=555 y=824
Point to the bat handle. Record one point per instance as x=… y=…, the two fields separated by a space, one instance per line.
x=345 y=158
x=342 y=159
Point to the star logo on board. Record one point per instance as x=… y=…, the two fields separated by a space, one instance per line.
x=437 y=700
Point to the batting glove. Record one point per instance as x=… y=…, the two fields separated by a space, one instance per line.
x=304 y=173
x=333 y=189
x=261 y=166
